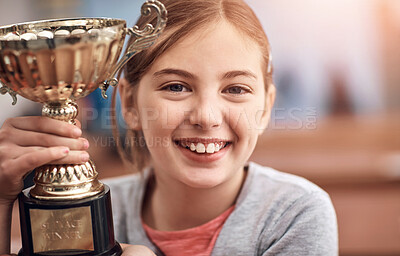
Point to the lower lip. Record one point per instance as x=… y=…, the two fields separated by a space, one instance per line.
x=203 y=157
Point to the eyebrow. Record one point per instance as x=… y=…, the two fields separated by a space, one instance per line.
x=186 y=74
x=172 y=71
x=236 y=73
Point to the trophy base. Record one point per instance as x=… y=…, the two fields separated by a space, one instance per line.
x=71 y=227
x=115 y=251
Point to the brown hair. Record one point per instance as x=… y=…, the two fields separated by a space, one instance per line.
x=184 y=17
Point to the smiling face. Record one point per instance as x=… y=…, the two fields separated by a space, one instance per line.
x=201 y=107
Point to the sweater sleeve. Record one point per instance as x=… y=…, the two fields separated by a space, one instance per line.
x=307 y=227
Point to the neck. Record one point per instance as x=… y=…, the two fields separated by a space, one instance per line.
x=171 y=207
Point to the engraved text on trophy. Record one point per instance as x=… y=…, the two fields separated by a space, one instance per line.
x=64 y=229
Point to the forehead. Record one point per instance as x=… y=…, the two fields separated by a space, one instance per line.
x=219 y=46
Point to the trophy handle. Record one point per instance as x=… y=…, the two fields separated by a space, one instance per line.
x=4 y=89
x=144 y=38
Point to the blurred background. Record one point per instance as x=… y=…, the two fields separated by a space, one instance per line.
x=337 y=115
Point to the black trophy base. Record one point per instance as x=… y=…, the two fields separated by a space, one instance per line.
x=115 y=251
x=72 y=227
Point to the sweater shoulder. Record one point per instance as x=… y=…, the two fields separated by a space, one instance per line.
x=123 y=182
x=126 y=188
x=269 y=194
x=268 y=180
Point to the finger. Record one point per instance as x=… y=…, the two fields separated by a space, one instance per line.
x=73 y=157
x=15 y=151
x=30 y=138
x=23 y=164
x=136 y=250
x=46 y=125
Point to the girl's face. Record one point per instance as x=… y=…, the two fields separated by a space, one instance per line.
x=202 y=106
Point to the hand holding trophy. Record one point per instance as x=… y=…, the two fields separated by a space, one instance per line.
x=56 y=62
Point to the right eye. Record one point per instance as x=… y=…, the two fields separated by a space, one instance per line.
x=175 y=87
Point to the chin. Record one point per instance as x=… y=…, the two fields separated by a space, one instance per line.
x=203 y=180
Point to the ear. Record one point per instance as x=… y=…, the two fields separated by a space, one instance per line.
x=269 y=103
x=128 y=104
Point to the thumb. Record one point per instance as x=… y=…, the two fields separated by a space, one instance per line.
x=136 y=250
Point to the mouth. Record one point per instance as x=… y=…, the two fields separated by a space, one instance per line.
x=202 y=146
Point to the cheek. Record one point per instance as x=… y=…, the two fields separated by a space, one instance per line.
x=259 y=118
x=245 y=120
x=160 y=118
x=173 y=116
x=259 y=112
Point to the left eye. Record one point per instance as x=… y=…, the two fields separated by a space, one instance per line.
x=236 y=90
x=175 y=88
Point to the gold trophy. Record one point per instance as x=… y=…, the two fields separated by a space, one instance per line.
x=55 y=62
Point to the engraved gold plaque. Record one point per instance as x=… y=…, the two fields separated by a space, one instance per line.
x=62 y=229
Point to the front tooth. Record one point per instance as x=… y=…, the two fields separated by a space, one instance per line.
x=200 y=148
x=217 y=147
x=192 y=147
x=210 y=148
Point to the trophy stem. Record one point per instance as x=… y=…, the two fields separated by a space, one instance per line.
x=65 y=111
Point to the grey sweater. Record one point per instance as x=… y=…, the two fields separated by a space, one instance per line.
x=275 y=214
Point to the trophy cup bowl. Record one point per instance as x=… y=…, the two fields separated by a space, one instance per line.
x=56 y=62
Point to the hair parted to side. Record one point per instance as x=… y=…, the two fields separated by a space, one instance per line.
x=184 y=17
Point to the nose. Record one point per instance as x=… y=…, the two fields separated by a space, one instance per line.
x=206 y=113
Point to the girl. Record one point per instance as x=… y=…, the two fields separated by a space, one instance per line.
x=195 y=104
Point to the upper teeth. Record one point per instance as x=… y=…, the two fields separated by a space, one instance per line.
x=200 y=148
x=210 y=148
x=203 y=148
